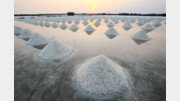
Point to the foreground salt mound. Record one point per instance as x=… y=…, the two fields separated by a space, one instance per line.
x=147 y=28
x=54 y=25
x=100 y=78
x=18 y=30
x=110 y=24
x=141 y=36
x=54 y=51
x=37 y=41
x=74 y=28
x=63 y=26
x=26 y=34
x=89 y=29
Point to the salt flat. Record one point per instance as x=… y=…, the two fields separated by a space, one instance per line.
x=144 y=62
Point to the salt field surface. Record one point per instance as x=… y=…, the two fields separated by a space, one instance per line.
x=99 y=59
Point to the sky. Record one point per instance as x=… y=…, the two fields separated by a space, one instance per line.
x=89 y=6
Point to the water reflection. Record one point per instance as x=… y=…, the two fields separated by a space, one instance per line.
x=138 y=42
x=111 y=36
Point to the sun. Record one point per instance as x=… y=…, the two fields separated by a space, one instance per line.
x=93 y=7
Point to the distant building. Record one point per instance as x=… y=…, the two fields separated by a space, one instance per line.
x=70 y=13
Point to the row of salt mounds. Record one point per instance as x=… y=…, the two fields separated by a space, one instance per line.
x=127 y=25
x=63 y=26
x=54 y=25
x=17 y=30
x=148 y=28
x=110 y=24
x=141 y=36
x=37 y=41
x=26 y=34
x=54 y=51
x=89 y=29
x=74 y=28
x=100 y=78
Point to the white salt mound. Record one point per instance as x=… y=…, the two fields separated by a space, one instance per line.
x=157 y=23
x=110 y=24
x=106 y=20
x=54 y=25
x=63 y=26
x=74 y=28
x=141 y=36
x=111 y=31
x=89 y=28
x=77 y=22
x=54 y=51
x=37 y=40
x=18 y=30
x=140 y=23
x=47 y=24
x=100 y=78
x=26 y=34
x=148 y=28
x=85 y=22
x=97 y=23
x=127 y=26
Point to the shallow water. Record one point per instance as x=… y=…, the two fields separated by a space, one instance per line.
x=36 y=80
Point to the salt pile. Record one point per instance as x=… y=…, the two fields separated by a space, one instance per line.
x=106 y=20
x=110 y=24
x=141 y=36
x=54 y=51
x=26 y=34
x=111 y=31
x=97 y=23
x=127 y=25
x=17 y=30
x=74 y=28
x=63 y=26
x=54 y=25
x=100 y=78
x=47 y=24
x=140 y=23
x=85 y=23
x=41 y=23
x=37 y=41
x=89 y=29
x=147 y=28
x=157 y=23
x=77 y=22
x=69 y=21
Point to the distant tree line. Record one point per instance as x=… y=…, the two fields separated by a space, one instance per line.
x=72 y=14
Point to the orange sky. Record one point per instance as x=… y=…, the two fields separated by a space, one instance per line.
x=63 y=6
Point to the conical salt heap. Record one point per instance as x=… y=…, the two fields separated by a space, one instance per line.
x=54 y=25
x=41 y=23
x=111 y=31
x=77 y=22
x=141 y=36
x=47 y=24
x=74 y=28
x=26 y=34
x=18 y=30
x=63 y=26
x=106 y=20
x=54 y=51
x=85 y=23
x=37 y=41
x=147 y=28
x=100 y=78
x=110 y=24
x=140 y=23
x=157 y=23
x=69 y=21
x=97 y=23
x=127 y=25
x=89 y=29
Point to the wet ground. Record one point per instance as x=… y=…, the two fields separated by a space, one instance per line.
x=36 y=80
